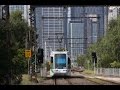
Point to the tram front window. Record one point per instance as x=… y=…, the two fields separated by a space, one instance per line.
x=60 y=61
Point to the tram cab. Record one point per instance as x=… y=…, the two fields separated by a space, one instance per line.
x=60 y=63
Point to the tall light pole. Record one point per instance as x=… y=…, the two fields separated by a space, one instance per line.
x=45 y=52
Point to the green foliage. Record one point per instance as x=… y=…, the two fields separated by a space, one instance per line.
x=108 y=47
x=19 y=27
x=12 y=46
x=115 y=64
x=48 y=66
x=19 y=62
x=16 y=16
x=81 y=60
x=61 y=49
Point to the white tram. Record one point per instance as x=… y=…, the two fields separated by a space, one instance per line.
x=60 y=64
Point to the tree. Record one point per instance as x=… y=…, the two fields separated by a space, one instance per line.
x=115 y=64
x=107 y=48
x=12 y=45
x=81 y=60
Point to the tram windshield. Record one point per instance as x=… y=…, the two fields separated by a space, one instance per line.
x=60 y=61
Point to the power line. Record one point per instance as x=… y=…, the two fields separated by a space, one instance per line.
x=70 y=17
x=68 y=38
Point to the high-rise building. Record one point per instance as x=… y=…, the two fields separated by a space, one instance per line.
x=73 y=28
x=113 y=13
x=86 y=26
x=50 y=25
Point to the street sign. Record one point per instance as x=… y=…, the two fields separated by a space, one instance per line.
x=28 y=53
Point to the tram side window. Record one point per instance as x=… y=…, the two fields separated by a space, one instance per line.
x=51 y=59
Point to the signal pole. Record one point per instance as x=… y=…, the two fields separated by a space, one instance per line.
x=94 y=67
x=34 y=44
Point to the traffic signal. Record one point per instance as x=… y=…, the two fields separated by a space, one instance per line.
x=95 y=60
x=40 y=55
x=94 y=57
x=93 y=54
x=69 y=62
x=40 y=52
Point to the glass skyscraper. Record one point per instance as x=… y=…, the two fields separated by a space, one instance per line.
x=73 y=28
x=50 y=25
x=86 y=26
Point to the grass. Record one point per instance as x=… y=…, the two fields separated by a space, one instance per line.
x=25 y=80
x=97 y=80
x=89 y=72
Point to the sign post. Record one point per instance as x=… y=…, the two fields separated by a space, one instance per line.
x=28 y=55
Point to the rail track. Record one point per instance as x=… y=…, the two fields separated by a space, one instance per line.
x=75 y=81
x=102 y=82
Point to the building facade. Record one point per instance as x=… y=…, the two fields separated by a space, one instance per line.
x=72 y=28
x=86 y=26
x=50 y=25
x=89 y=25
x=113 y=12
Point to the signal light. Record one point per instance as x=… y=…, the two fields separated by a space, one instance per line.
x=94 y=57
x=40 y=55
x=93 y=54
x=69 y=60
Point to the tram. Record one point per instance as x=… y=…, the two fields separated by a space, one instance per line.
x=60 y=63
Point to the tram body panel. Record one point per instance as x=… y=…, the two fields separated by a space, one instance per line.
x=59 y=64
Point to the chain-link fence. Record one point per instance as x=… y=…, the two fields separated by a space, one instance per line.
x=108 y=71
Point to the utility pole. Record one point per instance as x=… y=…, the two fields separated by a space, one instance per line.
x=94 y=67
x=26 y=47
x=45 y=52
x=33 y=42
x=88 y=64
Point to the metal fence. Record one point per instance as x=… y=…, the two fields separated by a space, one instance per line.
x=108 y=71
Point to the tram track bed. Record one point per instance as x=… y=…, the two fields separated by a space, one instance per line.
x=102 y=82
x=74 y=81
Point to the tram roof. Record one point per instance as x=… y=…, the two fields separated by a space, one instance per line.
x=59 y=52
